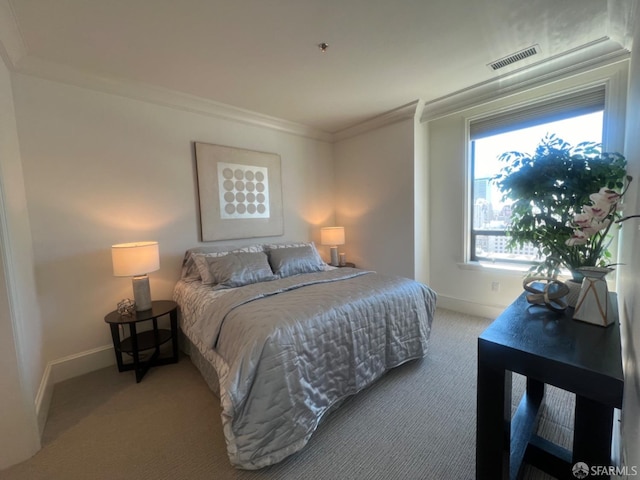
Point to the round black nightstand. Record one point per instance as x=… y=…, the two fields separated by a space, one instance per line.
x=147 y=340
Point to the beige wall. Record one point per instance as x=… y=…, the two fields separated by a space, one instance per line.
x=374 y=197
x=101 y=169
x=20 y=333
x=629 y=284
x=421 y=201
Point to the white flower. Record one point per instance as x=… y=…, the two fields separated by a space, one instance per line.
x=595 y=226
x=599 y=210
x=610 y=196
x=578 y=237
x=594 y=218
x=582 y=219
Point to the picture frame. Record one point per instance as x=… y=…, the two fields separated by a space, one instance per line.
x=239 y=193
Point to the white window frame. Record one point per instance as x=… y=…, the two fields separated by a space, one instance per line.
x=612 y=140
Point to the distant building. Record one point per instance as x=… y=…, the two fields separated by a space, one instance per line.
x=489 y=214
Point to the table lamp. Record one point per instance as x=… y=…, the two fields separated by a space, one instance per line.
x=332 y=236
x=137 y=260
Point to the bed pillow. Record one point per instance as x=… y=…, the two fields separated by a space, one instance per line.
x=190 y=269
x=294 y=260
x=268 y=247
x=234 y=269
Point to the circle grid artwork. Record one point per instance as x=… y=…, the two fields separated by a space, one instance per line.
x=243 y=190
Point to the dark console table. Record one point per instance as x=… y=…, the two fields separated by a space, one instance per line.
x=547 y=348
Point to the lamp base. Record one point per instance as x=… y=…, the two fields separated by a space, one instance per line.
x=142 y=293
x=334 y=256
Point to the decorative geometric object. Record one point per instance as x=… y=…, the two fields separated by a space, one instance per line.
x=126 y=307
x=574 y=292
x=594 y=305
x=546 y=291
x=239 y=191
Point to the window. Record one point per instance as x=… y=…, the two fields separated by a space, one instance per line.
x=575 y=118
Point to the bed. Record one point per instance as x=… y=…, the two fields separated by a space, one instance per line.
x=282 y=338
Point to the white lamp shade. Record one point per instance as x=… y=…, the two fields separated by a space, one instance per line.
x=332 y=236
x=131 y=259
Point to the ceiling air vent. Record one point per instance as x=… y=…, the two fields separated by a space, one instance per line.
x=514 y=57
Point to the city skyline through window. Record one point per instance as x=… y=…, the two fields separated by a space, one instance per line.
x=490 y=215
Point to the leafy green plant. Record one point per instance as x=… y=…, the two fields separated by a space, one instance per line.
x=547 y=189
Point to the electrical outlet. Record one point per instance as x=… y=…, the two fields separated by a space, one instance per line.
x=495 y=286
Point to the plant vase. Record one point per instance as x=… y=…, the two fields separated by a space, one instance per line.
x=593 y=305
x=575 y=286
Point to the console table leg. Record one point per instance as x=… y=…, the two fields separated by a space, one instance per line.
x=592 y=432
x=493 y=411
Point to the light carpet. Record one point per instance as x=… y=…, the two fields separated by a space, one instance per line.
x=415 y=423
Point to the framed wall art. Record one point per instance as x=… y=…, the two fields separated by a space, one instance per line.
x=240 y=193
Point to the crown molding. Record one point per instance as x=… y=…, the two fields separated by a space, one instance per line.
x=392 y=116
x=37 y=67
x=599 y=53
x=596 y=54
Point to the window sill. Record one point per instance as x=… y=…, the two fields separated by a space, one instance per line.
x=507 y=268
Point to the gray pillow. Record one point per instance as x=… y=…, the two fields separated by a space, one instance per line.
x=293 y=260
x=190 y=268
x=234 y=269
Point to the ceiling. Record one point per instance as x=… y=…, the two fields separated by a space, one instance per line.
x=263 y=55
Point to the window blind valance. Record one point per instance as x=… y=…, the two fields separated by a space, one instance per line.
x=574 y=104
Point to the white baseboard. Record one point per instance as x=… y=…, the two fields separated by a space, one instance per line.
x=65 y=368
x=43 y=399
x=469 y=308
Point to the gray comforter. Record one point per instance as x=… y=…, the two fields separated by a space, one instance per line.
x=286 y=351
